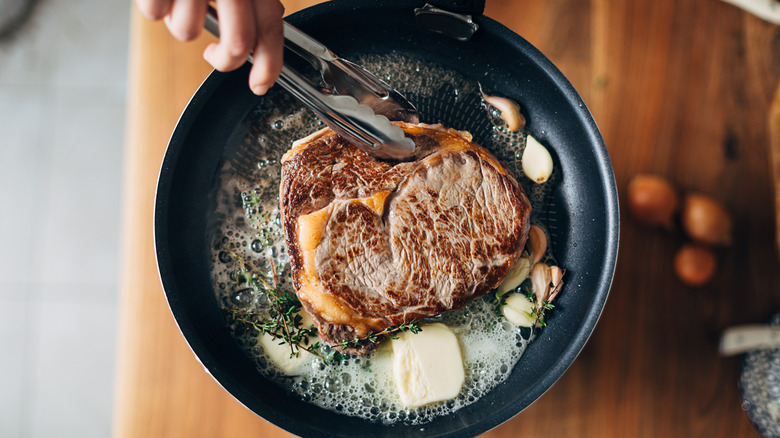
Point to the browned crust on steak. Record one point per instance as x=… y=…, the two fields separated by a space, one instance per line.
x=384 y=243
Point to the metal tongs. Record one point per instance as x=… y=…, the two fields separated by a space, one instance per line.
x=356 y=104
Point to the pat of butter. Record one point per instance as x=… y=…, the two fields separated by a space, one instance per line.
x=519 y=310
x=279 y=351
x=427 y=366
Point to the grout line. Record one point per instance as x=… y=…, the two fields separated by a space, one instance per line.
x=41 y=188
x=28 y=373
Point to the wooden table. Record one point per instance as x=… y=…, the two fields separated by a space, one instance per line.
x=680 y=88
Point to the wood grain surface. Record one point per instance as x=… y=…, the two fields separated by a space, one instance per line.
x=681 y=88
x=774 y=148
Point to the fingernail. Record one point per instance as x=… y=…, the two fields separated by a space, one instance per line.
x=208 y=54
x=259 y=90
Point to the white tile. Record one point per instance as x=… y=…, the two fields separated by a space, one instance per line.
x=64 y=97
x=91 y=42
x=70 y=43
x=77 y=293
x=14 y=361
x=23 y=115
x=72 y=386
x=81 y=225
x=62 y=102
x=26 y=56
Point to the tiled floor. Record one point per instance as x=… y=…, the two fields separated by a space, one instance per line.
x=62 y=103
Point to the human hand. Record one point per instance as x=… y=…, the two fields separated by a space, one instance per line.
x=244 y=26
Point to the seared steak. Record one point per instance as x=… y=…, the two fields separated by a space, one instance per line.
x=375 y=243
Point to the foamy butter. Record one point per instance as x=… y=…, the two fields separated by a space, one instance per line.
x=359 y=386
x=366 y=386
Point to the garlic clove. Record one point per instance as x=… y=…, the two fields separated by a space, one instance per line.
x=537 y=161
x=516 y=275
x=518 y=310
x=510 y=111
x=537 y=244
x=556 y=276
x=541 y=277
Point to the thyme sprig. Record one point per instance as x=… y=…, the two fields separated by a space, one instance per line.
x=283 y=320
x=412 y=326
x=290 y=332
x=539 y=311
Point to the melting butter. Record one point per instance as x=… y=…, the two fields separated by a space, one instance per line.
x=283 y=357
x=427 y=366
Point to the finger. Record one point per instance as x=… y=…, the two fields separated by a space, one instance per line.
x=269 y=47
x=154 y=9
x=186 y=18
x=236 y=35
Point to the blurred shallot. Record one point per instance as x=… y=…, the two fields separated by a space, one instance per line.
x=694 y=264
x=706 y=220
x=652 y=200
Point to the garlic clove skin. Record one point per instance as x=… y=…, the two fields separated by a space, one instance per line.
x=509 y=109
x=541 y=277
x=556 y=276
x=537 y=161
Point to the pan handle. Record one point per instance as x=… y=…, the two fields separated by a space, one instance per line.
x=452 y=18
x=465 y=7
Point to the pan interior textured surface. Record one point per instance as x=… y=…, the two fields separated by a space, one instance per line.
x=582 y=213
x=247 y=232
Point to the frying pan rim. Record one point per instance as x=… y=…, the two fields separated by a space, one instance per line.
x=577 y=342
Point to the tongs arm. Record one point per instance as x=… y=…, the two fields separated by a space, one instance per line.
x=351 y=119
x=326 y=62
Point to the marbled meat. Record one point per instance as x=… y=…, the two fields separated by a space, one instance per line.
x=377 y=243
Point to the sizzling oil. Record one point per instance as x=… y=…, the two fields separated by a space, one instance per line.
x=247 y=223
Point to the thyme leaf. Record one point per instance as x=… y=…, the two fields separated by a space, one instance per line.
x=392 y=331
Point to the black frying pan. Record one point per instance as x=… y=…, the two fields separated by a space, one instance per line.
x=583 y=204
